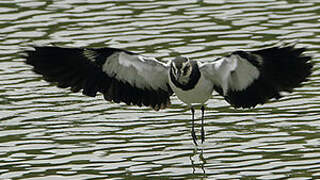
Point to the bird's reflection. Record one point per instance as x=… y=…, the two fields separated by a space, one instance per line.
x=200 y=162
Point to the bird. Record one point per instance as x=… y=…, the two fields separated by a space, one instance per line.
x=244 y=78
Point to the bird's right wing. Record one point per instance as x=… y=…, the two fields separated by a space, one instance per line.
x=121 y=76
x=248 y=78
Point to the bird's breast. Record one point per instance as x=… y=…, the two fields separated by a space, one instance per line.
x=198 y=95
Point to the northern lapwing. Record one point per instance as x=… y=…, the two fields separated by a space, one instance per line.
x=243 y=78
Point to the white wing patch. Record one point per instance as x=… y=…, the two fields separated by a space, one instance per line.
x=232 y=72
x=243 y=75
x=137 y=70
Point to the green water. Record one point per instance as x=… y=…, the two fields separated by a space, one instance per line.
x=50 y=133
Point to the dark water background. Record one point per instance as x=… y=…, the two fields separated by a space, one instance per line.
x=50 y=133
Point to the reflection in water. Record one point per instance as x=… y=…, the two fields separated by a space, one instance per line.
x=46 y=132
x=201 y=164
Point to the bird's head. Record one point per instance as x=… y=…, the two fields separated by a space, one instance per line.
x=181 y=69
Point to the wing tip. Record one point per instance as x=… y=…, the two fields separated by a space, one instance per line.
x=284 y=68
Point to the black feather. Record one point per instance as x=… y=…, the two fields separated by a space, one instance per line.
x=282 y=69
x=71 y=67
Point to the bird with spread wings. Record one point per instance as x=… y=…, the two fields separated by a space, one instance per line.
x=243 y=78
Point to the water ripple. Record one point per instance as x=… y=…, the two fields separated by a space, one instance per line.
x=46 y=132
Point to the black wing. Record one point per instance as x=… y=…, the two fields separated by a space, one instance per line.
x=248 y=78
x=121 y=76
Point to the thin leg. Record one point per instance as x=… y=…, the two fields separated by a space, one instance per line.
x=202 y=125
x=193 y=134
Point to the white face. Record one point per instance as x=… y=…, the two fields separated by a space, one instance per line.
x=182 y=72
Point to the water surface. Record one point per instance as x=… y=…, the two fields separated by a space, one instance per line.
x=46 y=132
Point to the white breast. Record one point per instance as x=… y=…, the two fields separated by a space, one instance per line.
x=198 y=95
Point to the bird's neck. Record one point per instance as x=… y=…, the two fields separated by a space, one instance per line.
x=193 y=80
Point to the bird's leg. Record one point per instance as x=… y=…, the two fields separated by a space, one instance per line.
x=202 y=125
x=193 y=134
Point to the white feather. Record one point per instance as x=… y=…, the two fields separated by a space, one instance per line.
x=232 y=72
x=243 y=75
x=197 y=95
x=137 y=70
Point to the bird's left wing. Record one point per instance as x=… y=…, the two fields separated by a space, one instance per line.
x=120 y=75
x=248 y=78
